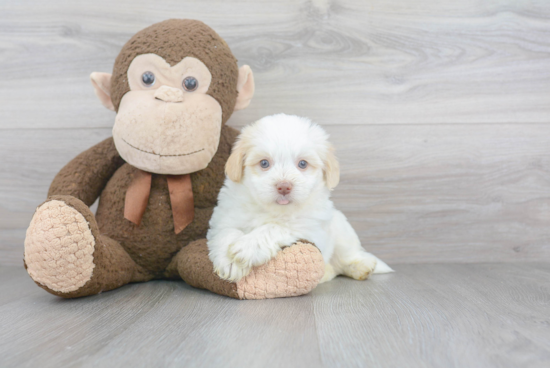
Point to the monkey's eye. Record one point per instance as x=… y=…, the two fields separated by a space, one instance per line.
x=190 y=84
x=302 y=164
x=148 y=79
x=264 y=164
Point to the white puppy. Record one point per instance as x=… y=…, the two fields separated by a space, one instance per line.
x=277 y=191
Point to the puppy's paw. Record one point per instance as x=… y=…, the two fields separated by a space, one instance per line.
x=230 y=271
x=248 y=252
x=360 y=267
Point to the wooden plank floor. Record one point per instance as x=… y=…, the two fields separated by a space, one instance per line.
x=424 y=315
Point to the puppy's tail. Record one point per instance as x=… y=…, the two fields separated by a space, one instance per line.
x=381 y=266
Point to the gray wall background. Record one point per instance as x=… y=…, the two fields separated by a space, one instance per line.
x=440 y=110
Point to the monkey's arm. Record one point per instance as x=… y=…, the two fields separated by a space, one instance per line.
x=85 y=176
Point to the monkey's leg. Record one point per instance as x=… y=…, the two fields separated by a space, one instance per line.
x=296 y=270
x=66 y=255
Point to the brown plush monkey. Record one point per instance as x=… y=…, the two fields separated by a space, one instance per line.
x=174 y=85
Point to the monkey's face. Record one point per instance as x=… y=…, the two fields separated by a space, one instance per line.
x=174 y=85
x=166 y=123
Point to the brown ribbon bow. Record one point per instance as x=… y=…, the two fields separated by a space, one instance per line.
x=181 y=198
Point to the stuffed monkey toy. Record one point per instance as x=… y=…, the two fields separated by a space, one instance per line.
x=173 y=87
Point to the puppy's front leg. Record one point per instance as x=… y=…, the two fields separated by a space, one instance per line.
x=260 y=245
x=218 y=252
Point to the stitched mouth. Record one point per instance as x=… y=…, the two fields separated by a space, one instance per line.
x=157 y=154
x=158 y=99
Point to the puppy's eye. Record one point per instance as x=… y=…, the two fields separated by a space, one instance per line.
x=264 y=164
x=190 y=84
x=302 y=164
x=148 y=79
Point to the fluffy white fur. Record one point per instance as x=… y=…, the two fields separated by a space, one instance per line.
x=253 y=220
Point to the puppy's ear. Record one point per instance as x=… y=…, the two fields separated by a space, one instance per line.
x=332 y=169
x=234 y=166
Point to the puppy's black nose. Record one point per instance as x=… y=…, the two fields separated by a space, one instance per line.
x=284 y=187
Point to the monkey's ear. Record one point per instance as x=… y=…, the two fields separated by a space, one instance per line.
x=102 y=88
x=332 y=169
x=234 y=166
x=245 y=87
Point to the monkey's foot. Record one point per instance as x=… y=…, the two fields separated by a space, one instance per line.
x=59 y=247
x=296 y=270
x=66 y=256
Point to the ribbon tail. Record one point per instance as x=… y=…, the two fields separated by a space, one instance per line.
x=137 y=196
x=181 y=198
